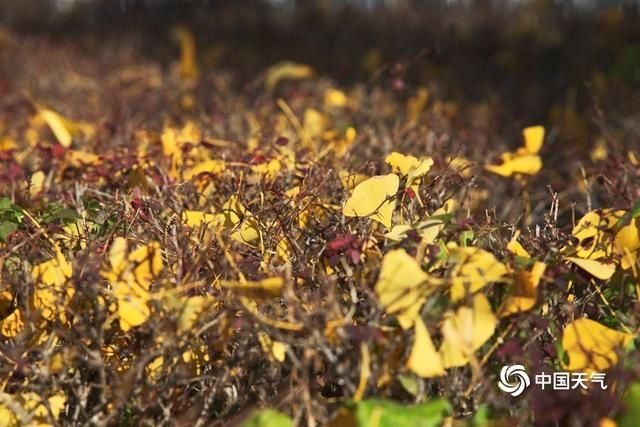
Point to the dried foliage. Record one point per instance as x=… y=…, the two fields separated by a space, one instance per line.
x=182 y=245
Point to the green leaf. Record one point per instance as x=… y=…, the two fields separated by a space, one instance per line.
x=383 y=413
x=627 y=217
x=466 y=238
x=7 y=228
x=56 y=212
x=447 y=217
x=267 y=418
x=5 y=203
x=10 y=211
x=410 y=383
x=482 y=416
x=631 y=415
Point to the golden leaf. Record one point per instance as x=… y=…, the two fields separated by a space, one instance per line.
x=627 y=244
x=408 y=165
x=424 y=360
x=130 y=276
x=374 y=198
x=591 y=346
x=525 y=161
x=286 y=70
x=64 y=129
x=466 y=331
x=524 y=293
x=335 y=98
x=52 y=292
x=516 y=248
x=271 y=286
x=36 y=182
x=594 y=233
x=403 y=286
x=196 y=219
x=188 y=68
x=474 y=269
x=596 y=268
x=12 y=324
x=276 y=350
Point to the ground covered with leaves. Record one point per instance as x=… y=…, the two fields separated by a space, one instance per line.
x=194 y=228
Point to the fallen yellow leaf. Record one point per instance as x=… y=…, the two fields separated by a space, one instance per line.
x=591 y=346
x=375 y=198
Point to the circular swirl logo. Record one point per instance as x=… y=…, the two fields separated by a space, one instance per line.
x=513 y=379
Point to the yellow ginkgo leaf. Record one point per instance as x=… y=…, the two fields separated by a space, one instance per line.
x=8 y=418
x=516 y=248
x=335 y=98
x=52 y=292
x=188 y=68
x=80 y=158
x=286 y=70
x=627 y=244
x=7 y=143
x=403 y=286
x=279 y=351
x=246 y=232
x=591 y=346
x=594 y=267
x=64 y=129
x=398 y=232
x=276 y=350
x=466 y=331
x=246 y=228
x=153 y=370
x=600 y=151
x=314 y=123
x=408 y=165
x=375 y=198
x=339 y=143
x=213 y=167
x=191 y=310
x=36 y=182
x=197 y=218
x=196 y=358
x=267 y=170
x=57 y=125
x=13 y=324
x=427 y=229
x=461 y=165
x=524 y=293
x=32 y=407
x=424 y=360
x=350 y=180
x=515 y=164
x=525 y=161
x=76 y=233
x=173 y=139
x=130 y=276
x=7 y=303
x=474 y=268
x=421 y=169
x=147 y=264
x=416 y=104
x=133 y=310
x=594 y=233
x=533 y=139
x=271 y=286
x=401 y=163
x=431 y=227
